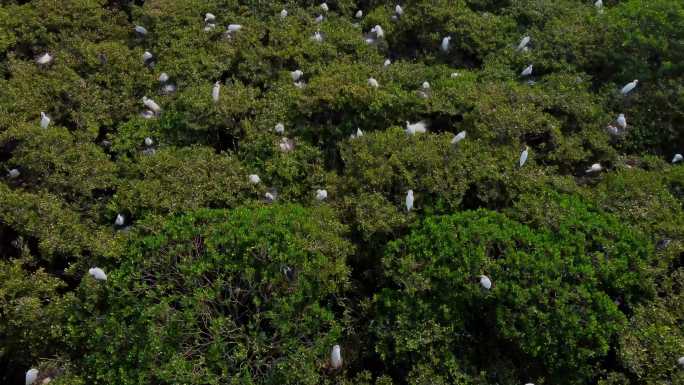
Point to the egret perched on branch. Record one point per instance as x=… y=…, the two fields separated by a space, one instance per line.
x=97 y=273
x=523 y=43
x=44 y=120
x=359 y=14
x=324 y=7
x=44 y=59
x=677 y=158
x=149 y=103
x=317 y=37
x=418 y=127
x=254 y=179
x=336 y=357
x=596 y=167
x=149 y=142
x=358 y=133
x=209 y=18
x=527 y=71
x=215 y=91
x=485 y=282
x=13 y=173
x=283 y=14
x=523 y=157
x=458 y=137
x=629 y=87
x=622 y=121
x=445 y=43
x=373 y=83
x=119 y=221
x=409 y=200
x=321 y=195
x=31 y=376
x=279 y=128
x=398 y=10
x=140 y=30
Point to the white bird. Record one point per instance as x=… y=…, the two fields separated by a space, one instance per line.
x=31 y=376
x=324 y=7
x=13 y=173
x=296 y=75
x=680 y=361
x=458 y=137
x=622 y=121
x=409 y=200
x=485 y=282
x=169 y=88
x=280 y=128
x=387 y=63
x=140 y=30
x=321 y=195
x=300 y=85
x=336 y=357
x=44 y=120
x=359 y=14
x=599 y=4
x=677 y=158
x=97 y=273
x=234 y=27
x=596 y=167
x=378 y=31
x=418 y=127
x=358 y=134
x=286 y=144
x=209 y=17
x=319 y=19
x=373 y=83
x=147 y=114
x=523 y=157
x=317 y=37
x=523 y=43
x=426 y=85
x=119 y=221
x=44 y=59
x=149 y=142
x=283 y=13
x=629 y=87
x=445 y=43
x=398 y=10
x=527 y=71
x=215 y=91
x=612 y=130
x=254 y=179
x=209 y=27
x=270 y=196
x=455 y=75
x=163 y=77
x=149 y=103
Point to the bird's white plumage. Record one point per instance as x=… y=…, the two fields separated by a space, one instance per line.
x=279 y=128
x=254 y=179
x=31 y=376
x=387 y=62
x=416 y=128
x=680 y=361
x=119 y=221
x=359 y=133
x=147 y=114
x=215 y=92
x=629 y=87
x=317 y=37
x=527 y=71
x=163 y=77
x=13 y=173
x=373 y=83
x=458 y=137
x=319 y=19
x=398 y=10
x=151 y=104
x=523 y=43
x=296 y=75
x=234 y=27
x=596 y=167
x=286 y=144
x=45 y=58
x=523 y=157
x=269 y=196
x=336 y=357
x=44 y=120
x=426 y=85
x=598 y=4
x=677 y=158
x=324 y=7
x=147 y=56
x=378 y=31
x=359 y=14
x=149 y=142
x=209 y=17
x=97 y=273
x=445 y=43
x=409 y=200
x=622 y=121
x=283 y=13
x=612 y=130
x=140 y=30
x=455 y=75
x=321 y=194
x=485 y=282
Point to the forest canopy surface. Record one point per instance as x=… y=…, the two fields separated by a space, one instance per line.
x=354 y=192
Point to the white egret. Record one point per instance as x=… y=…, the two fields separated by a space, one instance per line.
x=387 y=63
x=398 y=10
x=359 y=14
x=254 y=179
x=283 y=13
x=209 y=17
x=280 y=128
x=97 y=273
x=416 y=128
x=445 y=43
x=321 y=195
x=336 y=357
x=485 y=282
x=455 y=75
x=147 y=56
x=119 y=221
x=629 y=87
x=409 y=200
x=680 y=361
x=296 y=75
x=163 y=77
x=373 y=83
x=140 y=30
x=622 y=121
x=215 y=91
x=378 y=31
x=523 y=43
x=44 y=120
x=324 y=7
x=523 y=157
x=677 y=158
x=13 y=173
x=319 y=19
x=596 y=167
x=317 y=37
x=612 y=130
x=44 y=59
x=149 y=142
x=31 y=376
x=358 y=134
x=599 y=4
x=234 y=27
x=527 y=71
x=286 y=145
x=458 y=137
x=426 y=85
x=149 y=103
x=271 y=195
